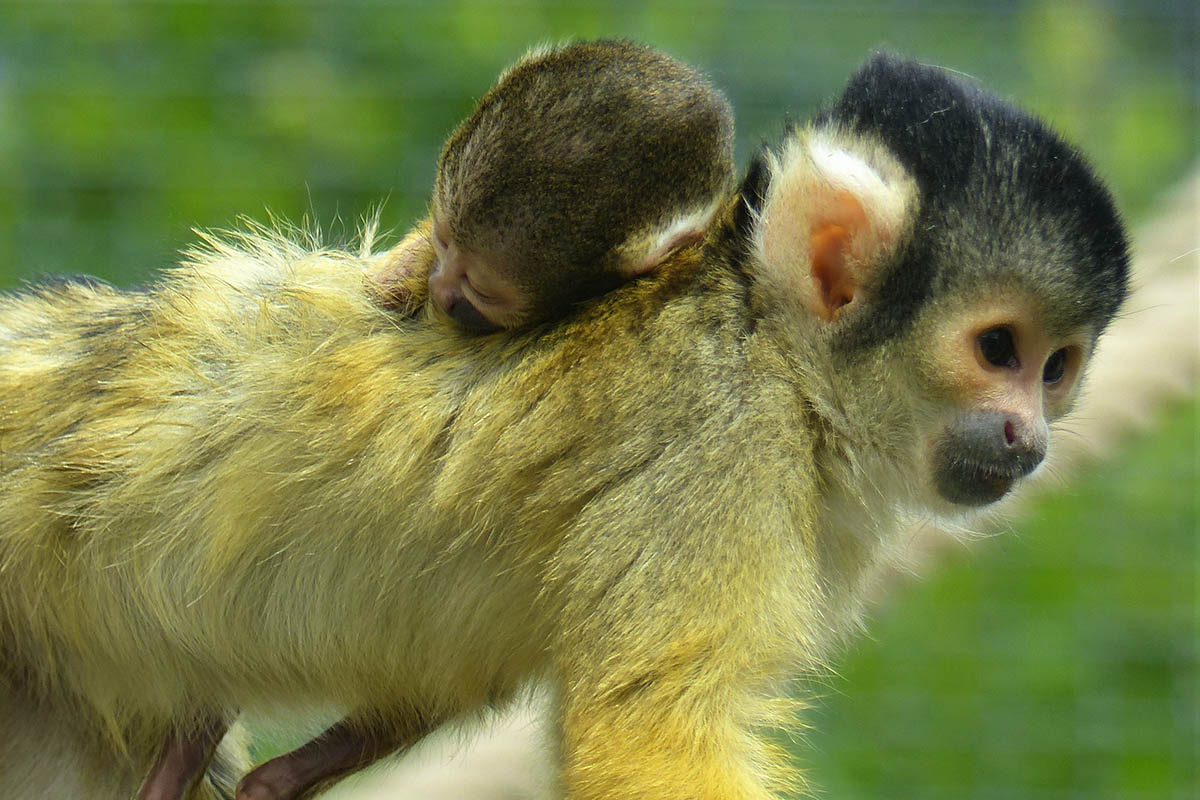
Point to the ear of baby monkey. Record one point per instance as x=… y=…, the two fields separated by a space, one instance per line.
x=646 y=250
x=836 y=208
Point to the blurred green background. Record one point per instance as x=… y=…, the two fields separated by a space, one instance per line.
x=1058 y=662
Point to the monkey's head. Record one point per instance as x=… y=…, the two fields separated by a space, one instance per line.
x=582 y=168
x=949 y=262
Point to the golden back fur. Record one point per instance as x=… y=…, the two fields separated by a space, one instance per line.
x=249 y=487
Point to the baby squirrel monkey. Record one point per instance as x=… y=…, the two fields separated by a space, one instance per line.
x=248 y=486
x=582 y=168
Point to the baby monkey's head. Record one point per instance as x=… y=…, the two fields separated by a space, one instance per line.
x=583 y=167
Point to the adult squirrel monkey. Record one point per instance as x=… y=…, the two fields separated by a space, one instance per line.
x=251 y=485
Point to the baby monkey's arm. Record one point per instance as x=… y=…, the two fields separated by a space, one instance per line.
x=400 y=279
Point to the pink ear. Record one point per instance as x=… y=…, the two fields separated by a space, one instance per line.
x=647 y=249
x=678 y=240
x=831 y=237
x=836 y=208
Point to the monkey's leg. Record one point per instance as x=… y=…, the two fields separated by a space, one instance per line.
x=654 y=712
x=618 y=749
x=181 y=762
x=342 y=749
x=668 y=657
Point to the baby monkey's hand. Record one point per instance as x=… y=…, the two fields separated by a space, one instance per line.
x=399 y=280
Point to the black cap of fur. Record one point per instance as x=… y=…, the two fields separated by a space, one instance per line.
x=1002 y=199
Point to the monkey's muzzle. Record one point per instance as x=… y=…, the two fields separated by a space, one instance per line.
x=980 y=456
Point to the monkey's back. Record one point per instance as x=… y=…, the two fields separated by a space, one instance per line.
x=247 y=482
x=204 y=488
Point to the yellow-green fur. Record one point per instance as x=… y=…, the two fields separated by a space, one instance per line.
x=248 y=486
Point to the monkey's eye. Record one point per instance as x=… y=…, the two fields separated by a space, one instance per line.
x=997 y=347
x=1056 y=366
x=482 y=297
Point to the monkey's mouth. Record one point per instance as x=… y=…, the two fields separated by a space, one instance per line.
x=985 y=485
x=977 y=461
x=971 y=483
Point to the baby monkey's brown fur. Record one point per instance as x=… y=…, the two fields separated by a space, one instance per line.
x=582 y=168
x=250 y=486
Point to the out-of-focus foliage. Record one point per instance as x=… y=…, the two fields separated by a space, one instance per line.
x=1057 y=661
x=1062 y=668
x=124 y=124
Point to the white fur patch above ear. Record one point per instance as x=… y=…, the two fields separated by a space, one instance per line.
x=845 y=169
x=837 y=206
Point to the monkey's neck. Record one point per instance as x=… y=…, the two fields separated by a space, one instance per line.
x=866 y=473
